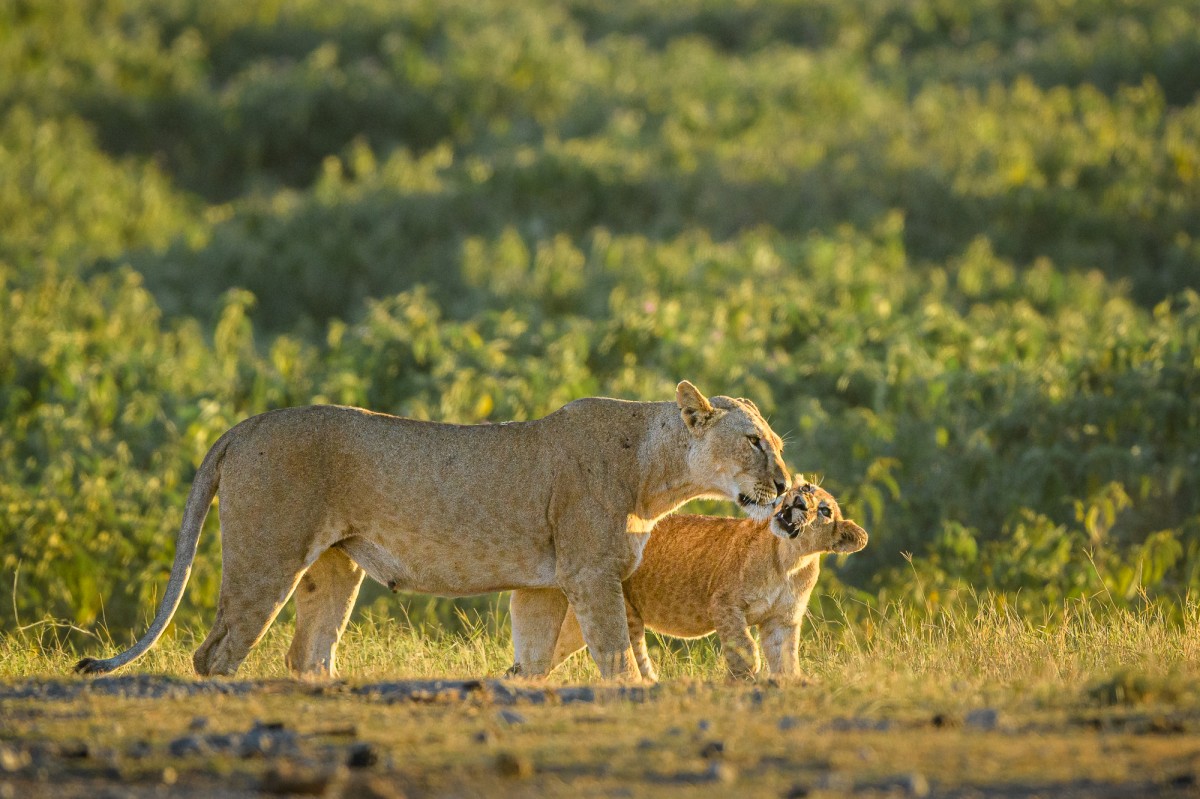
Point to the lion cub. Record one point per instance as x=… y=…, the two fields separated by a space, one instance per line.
x=704 y=573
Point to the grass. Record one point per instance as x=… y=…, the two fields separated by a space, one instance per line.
x=1095 y=696
x=976 y=648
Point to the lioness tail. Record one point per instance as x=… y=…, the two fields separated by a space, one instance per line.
x=204 y=488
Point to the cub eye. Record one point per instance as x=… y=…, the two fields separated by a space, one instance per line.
x=755 y=442
x=825 y=511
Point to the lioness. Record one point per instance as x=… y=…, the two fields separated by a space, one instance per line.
x=703 y=573
x=316 y=497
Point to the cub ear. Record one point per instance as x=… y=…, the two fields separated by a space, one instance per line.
x=697 y=412
x=849 y=537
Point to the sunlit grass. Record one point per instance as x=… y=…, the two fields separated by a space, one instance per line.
x=893 y=657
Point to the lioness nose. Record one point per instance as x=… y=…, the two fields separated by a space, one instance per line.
x=780 y=487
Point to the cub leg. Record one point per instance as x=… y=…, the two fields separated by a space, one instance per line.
x=324 y=599
x=600 y=606
x=537 y=614
x=781 y=645
x=741 y=654
x=637 y=637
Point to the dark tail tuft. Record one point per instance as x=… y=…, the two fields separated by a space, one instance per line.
x=90 y=666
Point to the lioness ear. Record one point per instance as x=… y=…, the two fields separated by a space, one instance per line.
x=850 y=537
x=697 y=412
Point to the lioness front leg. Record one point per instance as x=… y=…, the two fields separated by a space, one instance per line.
x=781 y=644
x=741 y=654
x=324 y=599
x=537 y=614
x=599 y=604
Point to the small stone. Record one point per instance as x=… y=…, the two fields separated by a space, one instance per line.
x=514 y=766
x=789 y=723
x=511 y=718
x=722 y=772
x=13 y=759
x=289 y=778
x=362 y=755
x=797 y=792
x=483 y=737
x=581 y=694
x=984 y=718
x=713 y=750
x=371 y=787
x=915 y=784
x=185 y=746
x=198 y=723
x=703 y=725
x=645 y=744
x=75 y=749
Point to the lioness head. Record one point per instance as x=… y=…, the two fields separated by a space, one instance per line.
x=810 y=517
x=735 y=448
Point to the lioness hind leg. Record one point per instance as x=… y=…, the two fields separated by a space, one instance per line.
x=250 y=600
x=537 y=614
x=570 y=639
x=324 y=599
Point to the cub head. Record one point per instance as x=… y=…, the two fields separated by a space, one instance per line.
x=809 y=517
x=733 y=450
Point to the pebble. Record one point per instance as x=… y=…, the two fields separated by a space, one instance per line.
x=915 y=784
x=713 y=750
x=514 y=766
x=511 y=717
x=362 y=755
x=984 y=718
x=722 y=772
x=288 y=778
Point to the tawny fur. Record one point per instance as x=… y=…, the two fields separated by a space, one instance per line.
x=314 y=498
x=701 y=574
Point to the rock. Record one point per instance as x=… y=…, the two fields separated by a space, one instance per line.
x=362 y=755
x=984 y=718
x=797 y=792
x=514 y=766
x=12 y=759
x=713 y=750
x=722 y=772
x=198 y=723
x=789 y=723
x=186 y=746
x=511 y=717
x=915 y=784
x=483 y=737
x=580 y=694
x=371 y=787
x=290 y=778
x=703 y=725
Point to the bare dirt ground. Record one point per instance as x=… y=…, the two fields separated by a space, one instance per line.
x=154 y=736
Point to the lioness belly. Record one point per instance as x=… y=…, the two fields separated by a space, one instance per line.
x=432 y=567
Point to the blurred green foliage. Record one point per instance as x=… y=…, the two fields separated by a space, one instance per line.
x=952 y=249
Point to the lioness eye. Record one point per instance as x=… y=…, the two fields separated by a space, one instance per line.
x=755 y=442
